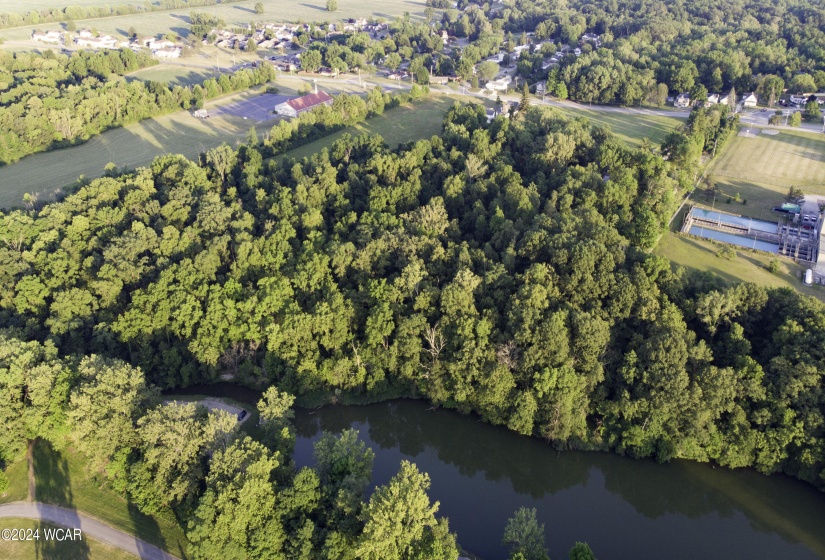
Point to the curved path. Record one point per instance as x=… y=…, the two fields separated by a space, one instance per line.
x=90 y=527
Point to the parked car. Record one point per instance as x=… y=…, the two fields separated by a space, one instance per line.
x=241 y=415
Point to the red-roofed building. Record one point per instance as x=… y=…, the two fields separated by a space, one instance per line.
x=295 y=107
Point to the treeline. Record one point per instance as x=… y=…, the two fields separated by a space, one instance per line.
x=233 y=494
x=52 y=101
x=498 y=268
x=346 y=110
x=73 y=13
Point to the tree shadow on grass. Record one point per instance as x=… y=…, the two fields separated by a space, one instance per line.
x=52 y=482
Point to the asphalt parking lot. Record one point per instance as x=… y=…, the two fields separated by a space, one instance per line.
x=258 y=108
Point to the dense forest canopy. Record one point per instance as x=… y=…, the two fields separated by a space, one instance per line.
x=497 y=268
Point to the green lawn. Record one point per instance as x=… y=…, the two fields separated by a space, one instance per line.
x=174 y=75
x=762 y=169
x=61 y=479
x=790 y=158
x=631 y=128
x=18 y=486
x=131 y=146
x=235 y=14
x=40 y=549
x=748 y=266
x=414 y=121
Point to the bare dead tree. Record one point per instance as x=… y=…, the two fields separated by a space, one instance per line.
x=508 y=355
x=435 y=340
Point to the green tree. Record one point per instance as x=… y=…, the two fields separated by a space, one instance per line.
x=795 y=119
x=812 y=111
x=332 y=5
x=487 y=70
x=802 y=83
x=525 y=536
x=581 y=551
x=311 y=61
x=401 y=522
x=259 y=8
x=525 y=98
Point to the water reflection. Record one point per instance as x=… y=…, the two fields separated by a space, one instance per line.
x=624 y=508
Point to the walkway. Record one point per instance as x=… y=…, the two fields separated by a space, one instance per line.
x=90 y=527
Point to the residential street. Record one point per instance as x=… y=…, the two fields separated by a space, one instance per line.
x=90 y=527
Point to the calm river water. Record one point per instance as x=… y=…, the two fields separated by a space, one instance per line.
x=624 y=508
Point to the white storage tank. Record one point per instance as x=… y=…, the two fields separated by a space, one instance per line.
x=809 y=277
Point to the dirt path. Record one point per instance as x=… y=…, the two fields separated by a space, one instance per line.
x=30 y=461
x=89 y=526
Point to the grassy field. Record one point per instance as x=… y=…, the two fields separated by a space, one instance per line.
x=401 y=124
x=632 y=128
x=87 y=549
x=174 y=75
x=236 y=14
x=761 y=169
x=748 y=266
x=18 y=487
x=60 y=479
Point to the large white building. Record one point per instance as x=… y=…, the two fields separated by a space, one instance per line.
x=295 y=107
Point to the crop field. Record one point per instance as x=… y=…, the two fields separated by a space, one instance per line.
x=237 y=14
x=762 y=168
x=748 y=266
x=87 y=549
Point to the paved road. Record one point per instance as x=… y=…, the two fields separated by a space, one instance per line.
x=90 y=527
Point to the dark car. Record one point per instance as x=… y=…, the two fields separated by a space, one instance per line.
x=242 y=415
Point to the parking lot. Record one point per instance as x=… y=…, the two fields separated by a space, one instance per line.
x=257 y=109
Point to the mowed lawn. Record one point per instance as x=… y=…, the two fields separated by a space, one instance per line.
x=414 y=121
x=41 y=549
x=61 y=479
x=762 y=169
x=235 y=14
x=630 y=127
x=748 y=266
x=173 y=75
x=132 y=146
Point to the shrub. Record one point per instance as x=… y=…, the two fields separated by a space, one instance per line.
x=773 y=266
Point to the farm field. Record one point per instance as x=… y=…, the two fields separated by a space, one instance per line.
x=749 y=266
x=762 y=168
x=398 y=125
x=87 y=549
x=238 y=14
x=60 y=479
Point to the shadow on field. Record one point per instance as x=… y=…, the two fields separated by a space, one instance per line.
x=321 y=8
x=52 y=481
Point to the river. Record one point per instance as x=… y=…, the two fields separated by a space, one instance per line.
x=624 y=508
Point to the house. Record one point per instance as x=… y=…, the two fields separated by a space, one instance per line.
x=168 y=52
x=295 y=107
x=55 y=37
x=156 y=44
x=499 y=85
x=713 y=99
x=201 y=114
x=104 y=42
x=439 y=80
x=682 y=100
x=749 y=100
x=591 y=38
